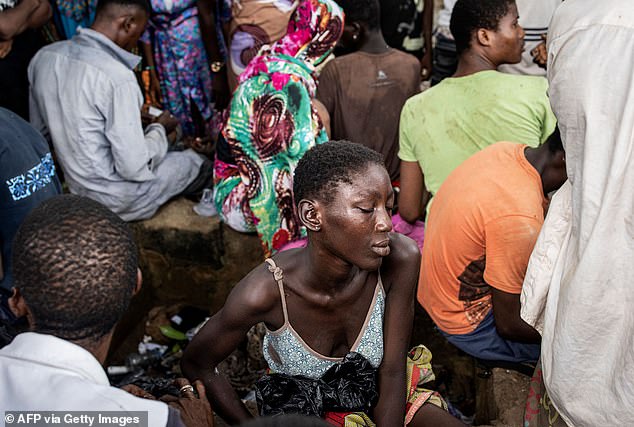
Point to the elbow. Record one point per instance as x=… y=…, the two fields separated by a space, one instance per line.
x=194 y=363
x=510 y=330
x=130 y=174
x=8 y=31
x=190 y=366
x=505 y=331
x=409 y=214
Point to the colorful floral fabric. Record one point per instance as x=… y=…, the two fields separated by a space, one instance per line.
x=540 y=411
x=36 y=178
x=73 y=14
x=253 y=24
x=181 y=60
x=271 y=124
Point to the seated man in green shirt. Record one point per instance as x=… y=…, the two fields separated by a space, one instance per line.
x=476 y=107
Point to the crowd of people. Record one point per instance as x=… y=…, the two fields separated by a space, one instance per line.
x=495 y=196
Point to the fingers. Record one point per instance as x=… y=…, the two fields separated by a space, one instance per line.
x=138 y=391
x=185 y=388
x=168 y=398
x=200 y=389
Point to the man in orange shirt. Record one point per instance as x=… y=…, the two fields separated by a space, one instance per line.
x=480 y=233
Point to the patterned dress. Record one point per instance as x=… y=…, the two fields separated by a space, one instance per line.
x=253 y=24
x=72 y=14
x=271 y=124
x=181 y=60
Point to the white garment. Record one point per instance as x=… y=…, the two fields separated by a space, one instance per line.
x=44 y=373
x=444 y=16
x=535 y=15
x=84 y=93
x=578 y=288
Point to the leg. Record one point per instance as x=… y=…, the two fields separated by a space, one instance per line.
x=430 y=415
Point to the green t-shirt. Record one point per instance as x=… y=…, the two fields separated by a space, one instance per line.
x=446 y=124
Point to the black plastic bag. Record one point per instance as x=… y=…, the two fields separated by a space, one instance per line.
x=349 y=385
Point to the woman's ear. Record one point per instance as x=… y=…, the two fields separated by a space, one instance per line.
x=309 y=214
x=357 y=32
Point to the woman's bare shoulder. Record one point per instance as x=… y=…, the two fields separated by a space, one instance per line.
x=402 y=265
x=403 y=249
x=257 y=292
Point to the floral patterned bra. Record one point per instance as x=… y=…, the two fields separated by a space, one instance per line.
x=287 y=353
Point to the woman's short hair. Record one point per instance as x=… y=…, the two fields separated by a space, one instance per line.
x=325 y=166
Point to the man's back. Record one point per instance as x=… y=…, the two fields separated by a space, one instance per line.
x=84 y=93
x=364 y=94
x=446 y=124
x=45 y=373
x=73 y=89
x=489 y=211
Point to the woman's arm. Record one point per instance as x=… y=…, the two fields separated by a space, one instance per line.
x=248 y=304
x=399 y=273
x=413 y=197
x=206 y=18
x=15 y=20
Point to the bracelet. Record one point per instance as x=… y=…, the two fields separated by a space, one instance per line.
x=216 y=66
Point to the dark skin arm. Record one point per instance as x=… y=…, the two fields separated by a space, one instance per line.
x=250 y=302
x=509 y=324
x=27 y=14
x=400 y=276
x=413 y=197
x=426 y=60
x=206 y=18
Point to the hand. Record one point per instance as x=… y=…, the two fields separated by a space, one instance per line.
x=5 y=48
x=167 y=120
x=155 y=88
x=540 y=53
x=220 y=89
x=137 y=391
x=426 y=66
x=146 y=117
x=200 y=145
x=195 y=410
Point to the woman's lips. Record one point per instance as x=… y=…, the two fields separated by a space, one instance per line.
x=382 y=248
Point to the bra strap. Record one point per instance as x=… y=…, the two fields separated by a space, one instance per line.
x=278 y=275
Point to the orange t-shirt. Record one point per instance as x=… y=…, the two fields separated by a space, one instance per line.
x=489 y=211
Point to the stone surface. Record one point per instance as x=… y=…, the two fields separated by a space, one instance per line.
x=510 y=390
x=184 y=259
